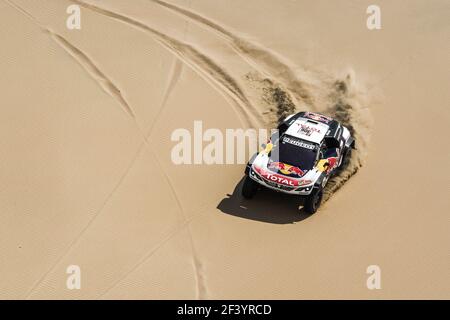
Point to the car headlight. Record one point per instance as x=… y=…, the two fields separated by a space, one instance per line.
x=253 y=173
x=304 y=188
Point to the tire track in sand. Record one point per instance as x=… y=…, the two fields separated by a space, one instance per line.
x=83 y=60
x=174 y=76
x=203 y=65
x=260 y=58
x=90 y=67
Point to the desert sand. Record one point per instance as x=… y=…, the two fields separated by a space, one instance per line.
x=86 y=176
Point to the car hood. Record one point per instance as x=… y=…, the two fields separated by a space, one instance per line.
x=283 y=173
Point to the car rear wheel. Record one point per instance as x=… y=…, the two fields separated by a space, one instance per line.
x=313 y=201
x=249 y=188
x=346 y=159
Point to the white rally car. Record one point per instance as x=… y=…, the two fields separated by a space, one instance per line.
x=299 y=159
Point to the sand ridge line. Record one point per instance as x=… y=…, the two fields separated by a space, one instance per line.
x=83 y=59
x=198 y=61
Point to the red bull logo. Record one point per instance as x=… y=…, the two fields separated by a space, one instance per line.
x=286 y=169
x=332 y=163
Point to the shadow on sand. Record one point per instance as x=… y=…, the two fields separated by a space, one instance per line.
x=266 y=206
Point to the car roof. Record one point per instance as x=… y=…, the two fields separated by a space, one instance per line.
x=307 y=129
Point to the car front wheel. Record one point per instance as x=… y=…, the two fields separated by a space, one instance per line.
x=313 y=201
x=249 y=188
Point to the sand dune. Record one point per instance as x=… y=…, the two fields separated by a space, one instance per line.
x=86 y=176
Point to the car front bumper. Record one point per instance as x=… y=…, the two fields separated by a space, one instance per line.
x=298 y=190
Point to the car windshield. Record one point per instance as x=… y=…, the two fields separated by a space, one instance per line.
x=295 y=152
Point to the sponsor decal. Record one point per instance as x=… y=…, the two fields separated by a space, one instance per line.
x=318 y=117
x=276 y=178
x=280 y=179
x=298 y=143
x=268 y=148
x=286 y=169
x=333 y=162
x=307 y=130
